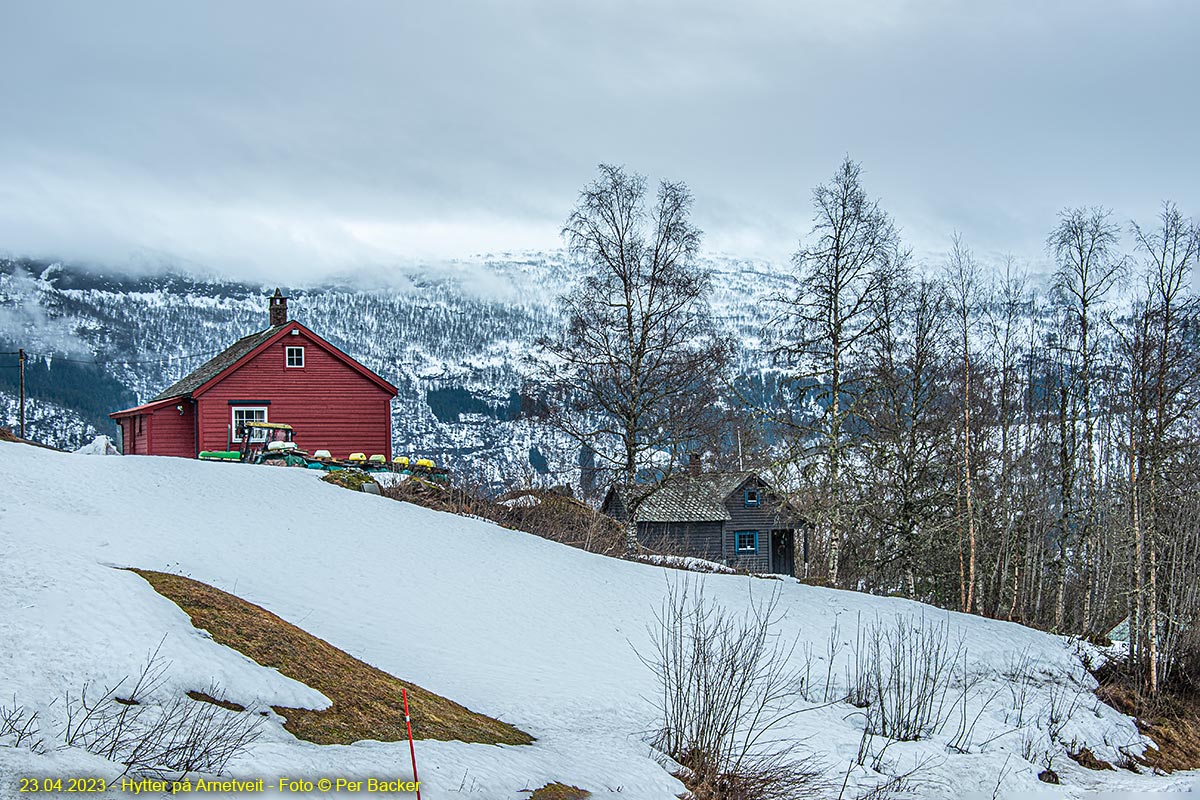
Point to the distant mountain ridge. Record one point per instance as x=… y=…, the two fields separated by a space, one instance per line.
x=453 y=339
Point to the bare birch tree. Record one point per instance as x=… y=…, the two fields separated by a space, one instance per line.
x=1005 y=317
x=1084 y=245
x=637 y=361
x=909 y=421
x=964 y=287
x=1173 y=320
x=824 y=321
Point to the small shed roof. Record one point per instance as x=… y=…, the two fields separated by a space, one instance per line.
x=144 y=407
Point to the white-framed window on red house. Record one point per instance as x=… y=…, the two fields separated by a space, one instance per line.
x=295 y=356
x=244 y=414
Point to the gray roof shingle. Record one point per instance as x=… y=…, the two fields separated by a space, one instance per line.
x=688 y=498
x=215 y=365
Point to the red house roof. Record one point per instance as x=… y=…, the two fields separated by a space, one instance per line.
x=204 y=377
x=143 y=408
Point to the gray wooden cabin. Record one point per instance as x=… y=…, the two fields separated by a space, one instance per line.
x=732 y=518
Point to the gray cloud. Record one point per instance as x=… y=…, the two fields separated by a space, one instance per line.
x=23 y=319
x=295 y=140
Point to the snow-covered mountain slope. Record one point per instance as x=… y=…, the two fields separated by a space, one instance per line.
x=453 y=338
x=511 y=625
x=46 y=421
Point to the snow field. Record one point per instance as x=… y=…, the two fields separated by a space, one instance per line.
x=537 y=634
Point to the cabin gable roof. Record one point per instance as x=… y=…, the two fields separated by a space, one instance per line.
x=212 y=371
x=217 y=365
x=688 y=498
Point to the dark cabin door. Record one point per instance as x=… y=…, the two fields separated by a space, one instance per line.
x=783 y=552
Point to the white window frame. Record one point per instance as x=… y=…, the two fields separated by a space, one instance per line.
x=748 y=551
x=287 y=356
x=255 y=436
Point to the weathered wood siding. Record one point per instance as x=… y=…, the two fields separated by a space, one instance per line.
x=697 y=539
x=764 y=518
x=331 y=405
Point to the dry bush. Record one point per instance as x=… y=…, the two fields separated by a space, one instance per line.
x=725 y=688
x=559 y=791
x=20 y=727
x=549 y=513
x=1171 y=718
x=171 y=738
x=911 y=679
x=891 y=787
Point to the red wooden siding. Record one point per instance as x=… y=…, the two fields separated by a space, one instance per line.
x=330 y=404
x=141 y=433
x=174 y=434
x=132 y=442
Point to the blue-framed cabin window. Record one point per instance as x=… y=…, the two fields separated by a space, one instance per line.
x=751 y=497
x=745 y=542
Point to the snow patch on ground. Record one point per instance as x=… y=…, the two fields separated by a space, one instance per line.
x=511 y=625
x=100 y=446
x=686 y=562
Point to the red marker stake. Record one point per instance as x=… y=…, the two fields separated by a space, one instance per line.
x=411 y=749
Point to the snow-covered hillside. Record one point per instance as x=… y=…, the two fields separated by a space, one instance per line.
x=534 y=633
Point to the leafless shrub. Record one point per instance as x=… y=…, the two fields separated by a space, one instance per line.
x=549 y=513
x=902 y=676
x=893 y=785
x=888 y=789
x=725 y=688
x=1000 y=779
x=814 y=687
x=20 y=727
x=1019 y=678
x=967 y=693
x=160 y=739
x=864 y=666
x=1037 y=748
x=1063 y=702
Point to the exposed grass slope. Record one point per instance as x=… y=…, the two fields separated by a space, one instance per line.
x=559 y=791
x=366 y=701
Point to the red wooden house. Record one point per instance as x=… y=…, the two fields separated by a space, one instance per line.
x=285 y=373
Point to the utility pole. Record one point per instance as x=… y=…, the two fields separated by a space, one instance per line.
x=21 y=362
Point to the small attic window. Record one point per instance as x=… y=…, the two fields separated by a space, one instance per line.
x=295 y=356
x=751 y=498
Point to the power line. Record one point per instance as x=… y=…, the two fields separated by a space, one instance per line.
x=105 y=362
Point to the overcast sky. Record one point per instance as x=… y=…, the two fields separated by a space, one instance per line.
x=294 y=140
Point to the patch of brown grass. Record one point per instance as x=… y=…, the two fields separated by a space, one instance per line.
x=1177 y=740
x=548 y=513
x=351 y=479
x=366 y=701
x=559 y=791
x=1172 y=720
x=1087 y=759
x=205 y=697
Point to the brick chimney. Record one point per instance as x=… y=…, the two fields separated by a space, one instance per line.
x=278 y=309
x=694 y=465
